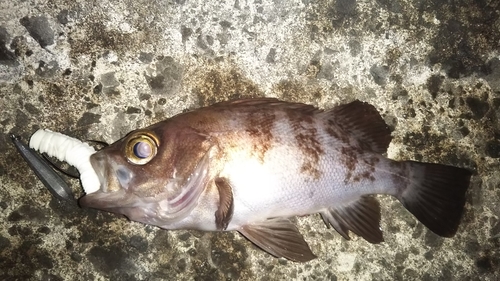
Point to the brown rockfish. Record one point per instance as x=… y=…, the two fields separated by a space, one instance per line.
x=249 y=165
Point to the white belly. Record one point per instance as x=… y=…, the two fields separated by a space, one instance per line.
x=277 y=187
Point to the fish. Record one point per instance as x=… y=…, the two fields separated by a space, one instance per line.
x=251 y=165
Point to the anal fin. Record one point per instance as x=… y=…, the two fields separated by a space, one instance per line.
x=224 y=213
x=362 y=217
x=280 y=238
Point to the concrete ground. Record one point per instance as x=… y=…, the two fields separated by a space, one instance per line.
x=98 y=69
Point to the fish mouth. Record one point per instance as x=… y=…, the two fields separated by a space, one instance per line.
x=116 y=194
x=97 y=162
x=114 y=180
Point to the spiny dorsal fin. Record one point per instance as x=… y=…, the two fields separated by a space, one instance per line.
x=361 y=121
x=248 y=101
x=280 y=238
x=361 y=217
x=224 y=213
x=263 y=102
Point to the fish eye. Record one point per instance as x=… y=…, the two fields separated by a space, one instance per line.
x=141 y=148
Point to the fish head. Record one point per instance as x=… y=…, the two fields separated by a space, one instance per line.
x=153 y=175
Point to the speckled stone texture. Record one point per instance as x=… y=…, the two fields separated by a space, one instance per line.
x=98 y=69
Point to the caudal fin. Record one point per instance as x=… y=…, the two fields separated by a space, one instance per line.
x=436 y=195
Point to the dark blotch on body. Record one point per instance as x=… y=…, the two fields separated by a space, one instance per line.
x=307 y=140
x=17 y=230
x=312 y=150
x=343 y=11
x=47 y=69
x=186 y=33
x=488 y=261
x=259 y=126
x=350 y=160
x=146 y=57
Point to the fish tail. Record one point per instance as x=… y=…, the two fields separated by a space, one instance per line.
x=435 y=195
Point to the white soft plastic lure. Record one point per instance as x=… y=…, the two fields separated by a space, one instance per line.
x=70 y=150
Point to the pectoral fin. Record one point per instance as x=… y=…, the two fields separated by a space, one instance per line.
x=224 y=213
x=280 y=238
x=361 y=217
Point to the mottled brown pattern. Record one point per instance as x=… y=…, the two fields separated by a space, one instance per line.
x=370 y=169
x=359 y=127
x=349 y=159
x=312 y=150
x=358 y=166
x=365 y=175
x=259 y=126
x=307 y=140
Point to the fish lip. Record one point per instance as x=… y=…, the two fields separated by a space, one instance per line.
x=106 y=197
x=98 y=164
x=86 y=201
x=100 y=200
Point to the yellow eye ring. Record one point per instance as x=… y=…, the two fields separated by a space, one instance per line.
x=141 y=148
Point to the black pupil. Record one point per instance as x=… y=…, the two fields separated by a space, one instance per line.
x=142 y=149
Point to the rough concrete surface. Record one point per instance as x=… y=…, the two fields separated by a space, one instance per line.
x=98 y=69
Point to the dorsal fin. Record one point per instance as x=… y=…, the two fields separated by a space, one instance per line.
x=358 y=120
x=362 y=122
x=262 y=102
x=248 y=101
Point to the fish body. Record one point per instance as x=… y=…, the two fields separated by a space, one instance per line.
x=249 y=165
